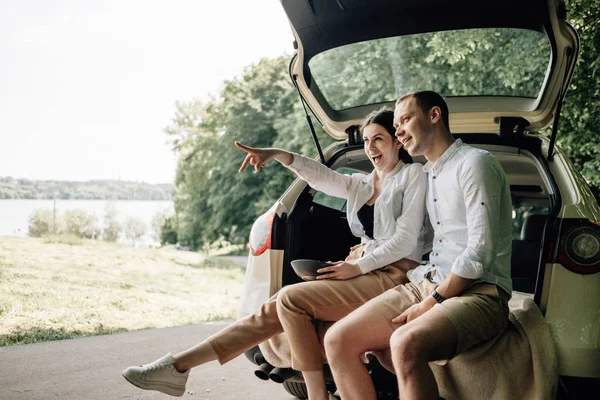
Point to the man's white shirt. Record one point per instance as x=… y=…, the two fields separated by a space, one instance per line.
x=470 y=209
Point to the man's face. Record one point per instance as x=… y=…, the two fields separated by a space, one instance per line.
x=414 y=128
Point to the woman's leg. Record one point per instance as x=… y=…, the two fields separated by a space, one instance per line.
x=169 y=374
x=232 y=341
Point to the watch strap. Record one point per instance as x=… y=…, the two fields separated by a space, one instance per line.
x=437 y=296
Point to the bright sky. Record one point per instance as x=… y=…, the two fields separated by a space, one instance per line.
x=86 y=87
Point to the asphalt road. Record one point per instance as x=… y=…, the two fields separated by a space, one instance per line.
x=90 y=368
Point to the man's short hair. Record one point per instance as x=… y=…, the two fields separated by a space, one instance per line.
x=426 y=100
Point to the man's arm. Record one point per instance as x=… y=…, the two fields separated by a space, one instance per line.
x=452 y=286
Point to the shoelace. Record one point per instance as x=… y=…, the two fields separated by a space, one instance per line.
x=155 y=366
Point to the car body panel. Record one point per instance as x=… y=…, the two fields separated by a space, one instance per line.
x=262 y=280
x=573 y=313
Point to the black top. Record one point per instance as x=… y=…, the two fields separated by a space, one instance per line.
x=365 y=216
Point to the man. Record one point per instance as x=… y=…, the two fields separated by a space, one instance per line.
x=460 y=297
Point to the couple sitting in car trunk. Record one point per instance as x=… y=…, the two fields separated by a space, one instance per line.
x=379 y=295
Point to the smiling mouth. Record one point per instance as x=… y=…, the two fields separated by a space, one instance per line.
x=406 y=141
x=376 y=159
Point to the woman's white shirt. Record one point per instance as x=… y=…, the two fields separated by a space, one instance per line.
x=398 y=214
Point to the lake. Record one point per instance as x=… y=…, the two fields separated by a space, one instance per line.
x=14 y=214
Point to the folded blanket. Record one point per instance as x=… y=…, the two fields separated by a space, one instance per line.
x=520 y=363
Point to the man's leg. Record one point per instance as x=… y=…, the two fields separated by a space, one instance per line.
x=430 y=337
x=457 y=324
x=367 y=328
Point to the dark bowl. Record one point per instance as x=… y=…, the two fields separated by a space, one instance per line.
x=307 y=269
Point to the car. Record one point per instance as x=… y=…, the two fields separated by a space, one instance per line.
x=504 y=67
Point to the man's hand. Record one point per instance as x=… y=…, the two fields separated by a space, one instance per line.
x=340 y=270
x=415 y=311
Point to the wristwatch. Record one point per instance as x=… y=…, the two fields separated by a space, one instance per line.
x=437 y=296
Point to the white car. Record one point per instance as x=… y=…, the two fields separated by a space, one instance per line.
x=503 y=67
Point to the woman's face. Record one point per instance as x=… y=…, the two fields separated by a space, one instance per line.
x=381 y=147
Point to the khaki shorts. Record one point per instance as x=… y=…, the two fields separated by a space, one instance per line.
x=479 y=314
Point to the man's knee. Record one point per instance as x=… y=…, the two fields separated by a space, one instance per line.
x=337 y=341
x=406 y=346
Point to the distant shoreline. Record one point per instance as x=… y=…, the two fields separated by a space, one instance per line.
x=26 y=189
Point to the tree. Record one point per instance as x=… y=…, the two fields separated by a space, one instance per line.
x=212 y=200
x=579 y=128
x=261 y=108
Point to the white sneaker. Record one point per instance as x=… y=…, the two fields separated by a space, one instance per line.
x=160 y=375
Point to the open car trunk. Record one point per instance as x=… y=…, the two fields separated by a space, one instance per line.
x=317 y=228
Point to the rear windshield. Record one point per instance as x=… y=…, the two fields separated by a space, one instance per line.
x=472 y=62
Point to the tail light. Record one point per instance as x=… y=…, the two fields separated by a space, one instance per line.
x=579 y=246
x=260 y=234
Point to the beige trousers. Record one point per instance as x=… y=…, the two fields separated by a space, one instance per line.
x=295 y=308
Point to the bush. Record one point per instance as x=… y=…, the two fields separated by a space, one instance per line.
x=134 y=228
x=158 y=224
x=81 y=223
x=112 y=227
x=42 y=222
x=168 y=231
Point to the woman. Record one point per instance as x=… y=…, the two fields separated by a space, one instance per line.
x=385 y=209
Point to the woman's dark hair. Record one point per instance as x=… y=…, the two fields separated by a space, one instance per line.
x=385 y=118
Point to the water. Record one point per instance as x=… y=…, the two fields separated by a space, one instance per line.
x=14 y=214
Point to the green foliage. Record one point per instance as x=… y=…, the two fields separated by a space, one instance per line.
x=76 y=223
x=43 y=222
x=112 y=228
x=158 y=222
x=168 y=231
x=11 y=188
x=81 y=223
x=579 y=128
x=214 y=202
x=134 y=228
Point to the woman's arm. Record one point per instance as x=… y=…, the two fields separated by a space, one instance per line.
x=259 y=157
x=317 y=175
x=408 y=225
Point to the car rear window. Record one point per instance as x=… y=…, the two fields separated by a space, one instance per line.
x=471 y=62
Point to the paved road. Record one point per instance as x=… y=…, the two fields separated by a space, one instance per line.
x=90 y=368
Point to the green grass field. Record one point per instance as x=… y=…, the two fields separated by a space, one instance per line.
x=51 y=290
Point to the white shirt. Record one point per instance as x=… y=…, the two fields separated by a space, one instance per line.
x=398 y=214
x=470 y=210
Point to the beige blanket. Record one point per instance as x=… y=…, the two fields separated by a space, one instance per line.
x=519 y=364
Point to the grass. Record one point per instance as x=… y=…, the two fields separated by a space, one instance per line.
x=56 y=288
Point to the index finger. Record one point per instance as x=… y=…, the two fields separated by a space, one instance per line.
x=245 y=162
x=400 y=319
x=243 y=147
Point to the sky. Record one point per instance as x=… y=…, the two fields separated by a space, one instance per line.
x=87 y=87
